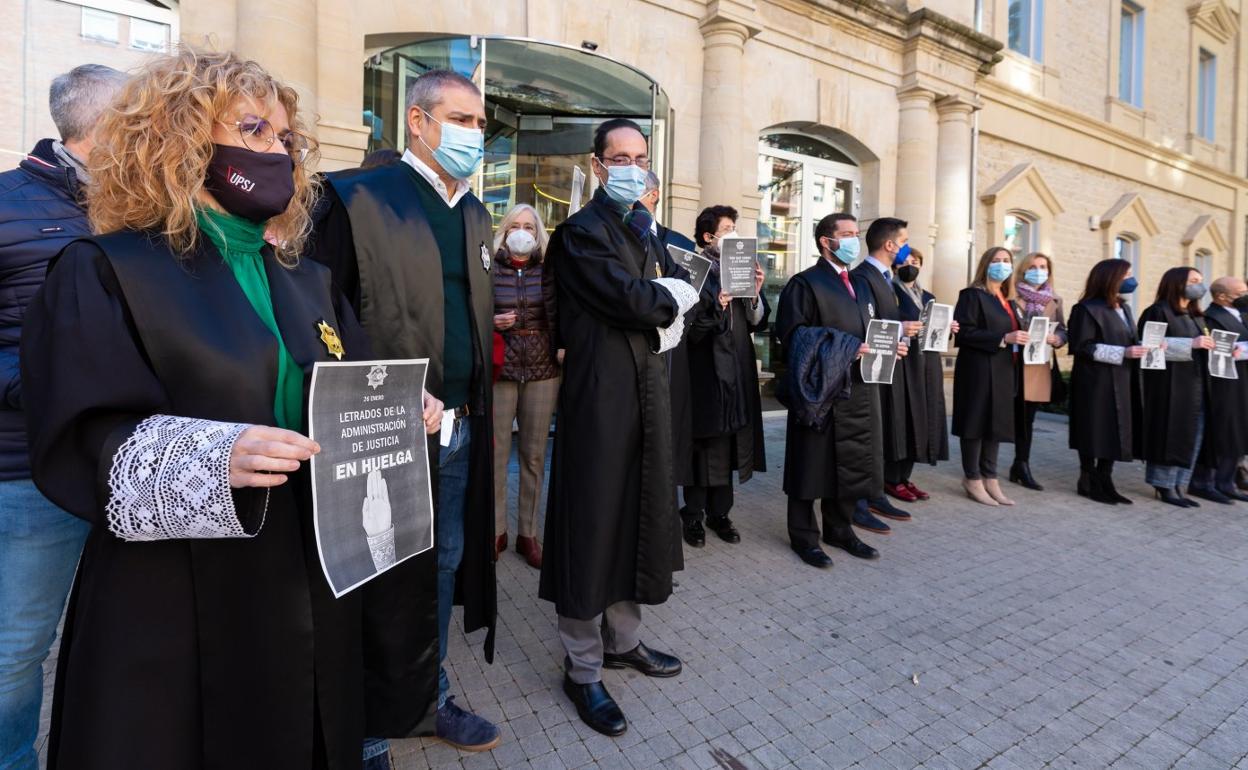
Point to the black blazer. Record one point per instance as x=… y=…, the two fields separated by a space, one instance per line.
x=984 y=378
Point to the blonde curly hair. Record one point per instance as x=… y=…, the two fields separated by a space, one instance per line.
x=154 y=142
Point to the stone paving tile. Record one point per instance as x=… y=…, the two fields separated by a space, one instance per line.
x=1054 y=633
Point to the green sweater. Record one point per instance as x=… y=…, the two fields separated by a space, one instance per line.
x=240 y=242
x=447 y=224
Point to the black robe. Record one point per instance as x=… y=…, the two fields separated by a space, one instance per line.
x=984 y=377
x=189 y=652
x=727 y=410
x=897 y=430
x=925 y=390
x=845 y=462
x=1104 y=397
x=1226 y=411
x=375 y=238
x=1171 y=398
x=612 y=528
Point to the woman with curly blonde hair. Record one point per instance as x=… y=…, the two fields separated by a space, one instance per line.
x=166 y=364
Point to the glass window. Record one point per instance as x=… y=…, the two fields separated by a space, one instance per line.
x=1020 y=233
x=1131 y=55
x=99 y=25
x=806 y=145
x=1026 y=28
x=1206 y=95
x=149 y=35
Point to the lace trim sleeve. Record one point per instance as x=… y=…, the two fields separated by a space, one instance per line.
x=171 y=480
x=382 y=548
x=1109 y=354
x=1178 y=348
x=686 y=297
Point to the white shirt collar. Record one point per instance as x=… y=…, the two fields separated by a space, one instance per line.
x=835 y=266
x=886 y=271
x=1235 y=312
x=461 y=188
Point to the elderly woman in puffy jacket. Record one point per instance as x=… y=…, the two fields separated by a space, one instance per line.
x=527 y=386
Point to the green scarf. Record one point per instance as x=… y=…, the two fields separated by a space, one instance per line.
x=240 y=243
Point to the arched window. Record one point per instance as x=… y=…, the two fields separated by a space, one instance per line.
x=1022 y=233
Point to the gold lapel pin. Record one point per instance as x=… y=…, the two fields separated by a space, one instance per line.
x=330 y=337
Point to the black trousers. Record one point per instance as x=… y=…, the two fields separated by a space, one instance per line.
x=898 y=471
x=804 y=530
x=1221 y=476
x=979 y=458
x=713 y=501
x=1024 y=428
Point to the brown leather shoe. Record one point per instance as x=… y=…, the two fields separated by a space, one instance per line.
x=531 y=550
x=500 y=545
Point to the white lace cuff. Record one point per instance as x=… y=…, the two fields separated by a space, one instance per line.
x=1178 y=348
x=686 y=297
x=1109 y=354
x=382 y=548
x=170 y=480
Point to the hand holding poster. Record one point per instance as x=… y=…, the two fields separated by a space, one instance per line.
x=881 y=359
x=1222 y=357
x=1037 y=350
x=737 y=256
x=936 y=320
x=1153 y=337
x=697 y=265
x=372 y=507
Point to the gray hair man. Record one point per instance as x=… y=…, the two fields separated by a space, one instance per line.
x=40 y=212
x=409 y=245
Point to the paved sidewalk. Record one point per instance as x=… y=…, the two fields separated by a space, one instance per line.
x=1055 y=633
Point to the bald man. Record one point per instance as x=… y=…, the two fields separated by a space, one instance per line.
x=1226 y=435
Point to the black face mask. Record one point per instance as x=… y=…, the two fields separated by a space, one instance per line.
x=908 y=273
x=1241 y=304
x=256 y=186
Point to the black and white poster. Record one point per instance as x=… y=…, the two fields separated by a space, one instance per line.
x=1037 y=348
x=881 y=359
x=737 y=257
x=1153 y=338
x=1222 y=357
x=371 y=500
x=697 y=265
x=936 y=319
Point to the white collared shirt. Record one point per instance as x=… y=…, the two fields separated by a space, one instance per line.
x=885 y=271
x=462 y=187
x=1235 y=312
x=835 y=265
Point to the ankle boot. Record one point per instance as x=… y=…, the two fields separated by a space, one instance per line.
x=993 y=488
x=975 y=490
x=1107 y=485
x=1096 y=488
x=1084 y=485
x=1020 y=473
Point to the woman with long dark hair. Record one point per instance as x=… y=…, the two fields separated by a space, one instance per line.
x=1174 y=397
x=1104 y=400
x=1034 y=296
x=984 y=379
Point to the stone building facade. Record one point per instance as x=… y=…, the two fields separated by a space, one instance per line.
x=1081 y=128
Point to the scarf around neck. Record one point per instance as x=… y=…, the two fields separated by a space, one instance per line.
x=1034 y=300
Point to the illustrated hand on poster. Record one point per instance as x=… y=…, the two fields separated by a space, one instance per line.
x=377 y=521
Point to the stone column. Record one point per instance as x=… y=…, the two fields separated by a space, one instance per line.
x=281 y=36
x=339 y=86
x=947 y=273
x=725 y=29
x=916 y=167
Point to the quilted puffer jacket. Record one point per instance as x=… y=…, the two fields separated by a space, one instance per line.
x=529 y=345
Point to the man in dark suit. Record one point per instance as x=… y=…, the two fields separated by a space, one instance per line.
x=1226 y=431
x=843 y=463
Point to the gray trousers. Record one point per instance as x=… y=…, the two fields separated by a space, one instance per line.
x=614 y=631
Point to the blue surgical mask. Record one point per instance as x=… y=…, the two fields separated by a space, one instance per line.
x=1036 y=277
x=847 y=251
x=902 y=254
x=460 y=151
x=1128 y=286
x=999 y=271
x=625 y=184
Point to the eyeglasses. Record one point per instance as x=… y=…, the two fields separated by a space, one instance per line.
x=258 y=136
x=642 y=163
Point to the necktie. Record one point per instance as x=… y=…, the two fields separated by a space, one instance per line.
x=848 y=286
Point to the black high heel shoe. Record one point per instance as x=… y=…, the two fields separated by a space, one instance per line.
x=1169 y=496
x=1187 y=501
x=1020 y=473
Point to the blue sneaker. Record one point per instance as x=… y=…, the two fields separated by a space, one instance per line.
x=465 y=730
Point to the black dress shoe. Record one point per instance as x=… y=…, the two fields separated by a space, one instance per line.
x=1235 y=494
x=1107 y=489
x=1210 y=494
x=694 y=534
x=850 y=544
x=863 y=519
x=647 y=661
x=596 y=707
x=881 y=506
x=722 y=526
x=1020 y=473
x=815 y=557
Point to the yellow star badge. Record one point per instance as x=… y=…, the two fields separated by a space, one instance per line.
x=330 y=337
